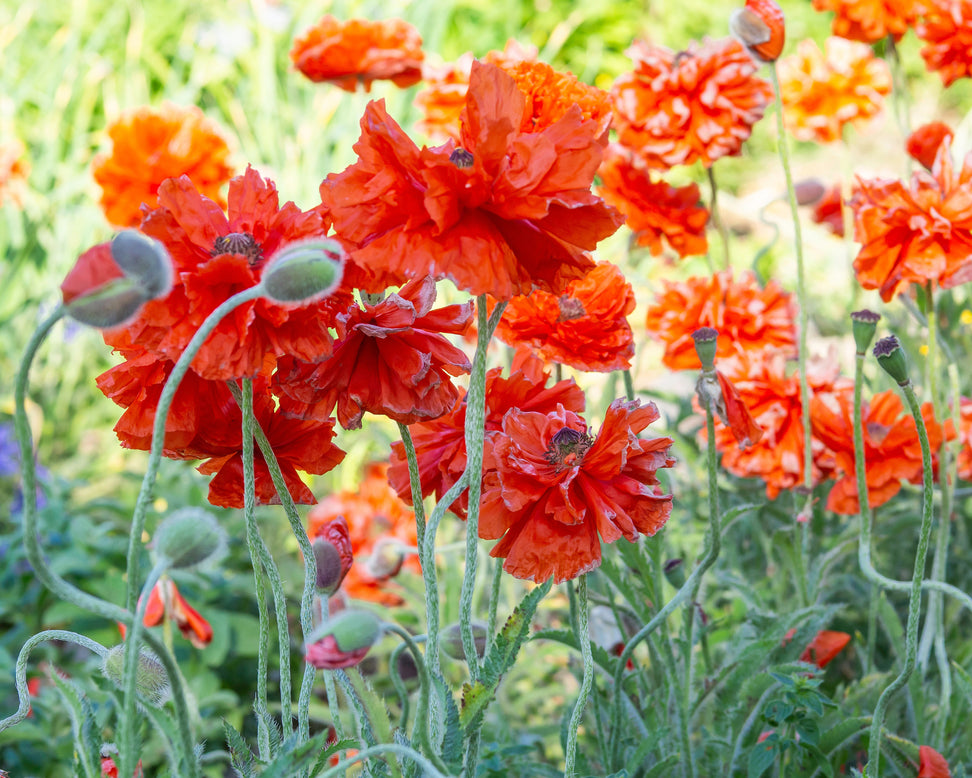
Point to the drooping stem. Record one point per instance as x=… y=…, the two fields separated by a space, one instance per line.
x=584 y=640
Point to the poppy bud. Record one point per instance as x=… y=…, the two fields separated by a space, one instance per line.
x=145 y=261
x=892 y=358
x=333 y=554
x=151 y=681
x=189 y=537
x=706 y=342
x=304 y=271
x=450 y=641
x=760 y=28
x=864 y=325
x=110 y=305
x=675 y=572
x=809 y=191
x=386 y=559
x=343 y=640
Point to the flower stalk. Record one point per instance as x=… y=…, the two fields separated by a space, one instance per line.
x=584 y=640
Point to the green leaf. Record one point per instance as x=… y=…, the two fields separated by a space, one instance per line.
x=241 y=757
x=761 y=758
x=836 y=736
x=663 y=767
x=294 y=756
x=332 y=750
x=823 y=764
x=82 y=724
x=452 y=739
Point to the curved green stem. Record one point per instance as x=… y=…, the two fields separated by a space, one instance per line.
x=392 y=748
x=584 y=639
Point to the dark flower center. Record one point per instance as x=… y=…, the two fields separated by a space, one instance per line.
x=238 y=243
x=877 y=432
x=570 y=308
x=461 y=158
x=567 y=448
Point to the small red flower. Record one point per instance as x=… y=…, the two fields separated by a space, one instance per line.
x=923 y=143
x=932 y=764
x=165 y=602
x=824 y=647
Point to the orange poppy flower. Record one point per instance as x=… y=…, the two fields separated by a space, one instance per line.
x=440 y=445
x=748 y=318
x=824 y=647
x=828 y=212
x=915 y=234
x=947 y=29
x=585 y=328
x=823 y=91
x=965 y=438
x=374 y=515
x=503 y=213
x=736 y=415
x=165 y=602
x=869 y=21
x=891 y=447
x=391 y=359
x=552 y=492
x=217 y=254
x=932 y=764
x=13 y=173
x=653 y=210
x=360 y=52
x=698 y=104
x=151 y=145
x=923 y=144
x=760 y=27
x=551 y=94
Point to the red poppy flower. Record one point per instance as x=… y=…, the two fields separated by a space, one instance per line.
x=551 y=95
x=585 y=328
x=823 y=91
x=869 y=21
x=165 y=602
x=891 y=447
x=217 y=255
x=916 y=233
x=391 y=359
x=440 y=445
x=946 y=27
x=359 y=52
x=698 y=104
x=552 y=492
x=923 y=143
x=965 y=439
x=151 y=145
x=824 y=647
x=13 y=173
x=760 y=27
x=503 y=213
x=932 y=764
x=748 y=318
x=735 y=415
x=653 y=210
x=828 y=210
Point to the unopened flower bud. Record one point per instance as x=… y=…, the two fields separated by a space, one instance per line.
x=760 y=28
x=110 y=305
x=333 y=555
x=386 y=559
x=188 y=538
x=809 y=191
x=145 y=261
x=675 y=572
x=304 y=271
x=343 y=640
x=891 y=357
x=864 y=325
x=450 y=641
x=151 y=681
x=706 y=342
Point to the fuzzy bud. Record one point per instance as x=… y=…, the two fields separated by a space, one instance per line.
x=188 y=538
x=151 y=681
x=760 y=28
x=343 y=640
x=450 y=641
x=333 y=555
x=305 y=271
x=110 y=305
x=675 y=572
x=892 y=358
x=145 y=261
x=386 y=559
x=706 y=342
x=864 y=325
x=809 y=191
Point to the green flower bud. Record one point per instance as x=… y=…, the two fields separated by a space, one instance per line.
x=864 y=324
x=304 y=271
x=892 y=358
x=110 y=305
x=188 y=538
x=343 y=640
x=450 y=641
x=675 y=572
x=145 y=261
x=151 y=681
x=706 y=342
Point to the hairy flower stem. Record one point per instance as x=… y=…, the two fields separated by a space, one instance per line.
x=414 y=482
x=688 y=590
x=914 y=599
x=584 y=641
x=54 y=582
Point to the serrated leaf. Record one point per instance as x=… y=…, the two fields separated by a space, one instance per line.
x=294 y=756
x=452 y=739
x=475 y=698
x=761 y=758
x=834 y=737
x=82 y=721
x=241 y=757
x=332 y=750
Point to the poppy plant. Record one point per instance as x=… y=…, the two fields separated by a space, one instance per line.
x=932 y=764
x=502 y=213
x=946 y=28
x=151 y=145
x=165 y=602
x=552 y=492
x=870 y=21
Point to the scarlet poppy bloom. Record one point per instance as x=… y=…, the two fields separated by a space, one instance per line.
x=585 y=328
x=869 y=21
x=165 y=602
x=736 y=415
x=946 y=27
x=923 y=143
x=551 y=94
x=503 y=213
x=375 y=516
x=916 y=233
x=440 y=445
x=932 y=764
x=891 y=448
x=653 y=209
x=823 y=91
x=13 y=173
x=552 y=492
x=698 y=104
x=965 y=438
x=216 y=255
x=391 y=359
x=824 y=647
x=748 y=318
x=829 y=212
x=151 y=145
x=760 y=27
x=360 y=52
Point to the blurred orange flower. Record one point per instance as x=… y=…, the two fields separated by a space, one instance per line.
x=823 y=91
x=13 y=172
x=748 y=318
x=761 y=28
x=585 y=328
x=869 y=21
x=165 y=602
x=828 y=211
x=947 y=29
x=915 y=234
x=923 y=144
x=965 y=439
x=932 y=764
x=653 y=209
x=891 y=447
x=697 y=104
x=375 y=516
x=359 y=52
x=151 y=145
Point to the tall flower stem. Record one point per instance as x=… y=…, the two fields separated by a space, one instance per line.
x=584 y=640
x=914 y=600
x=717 y=217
